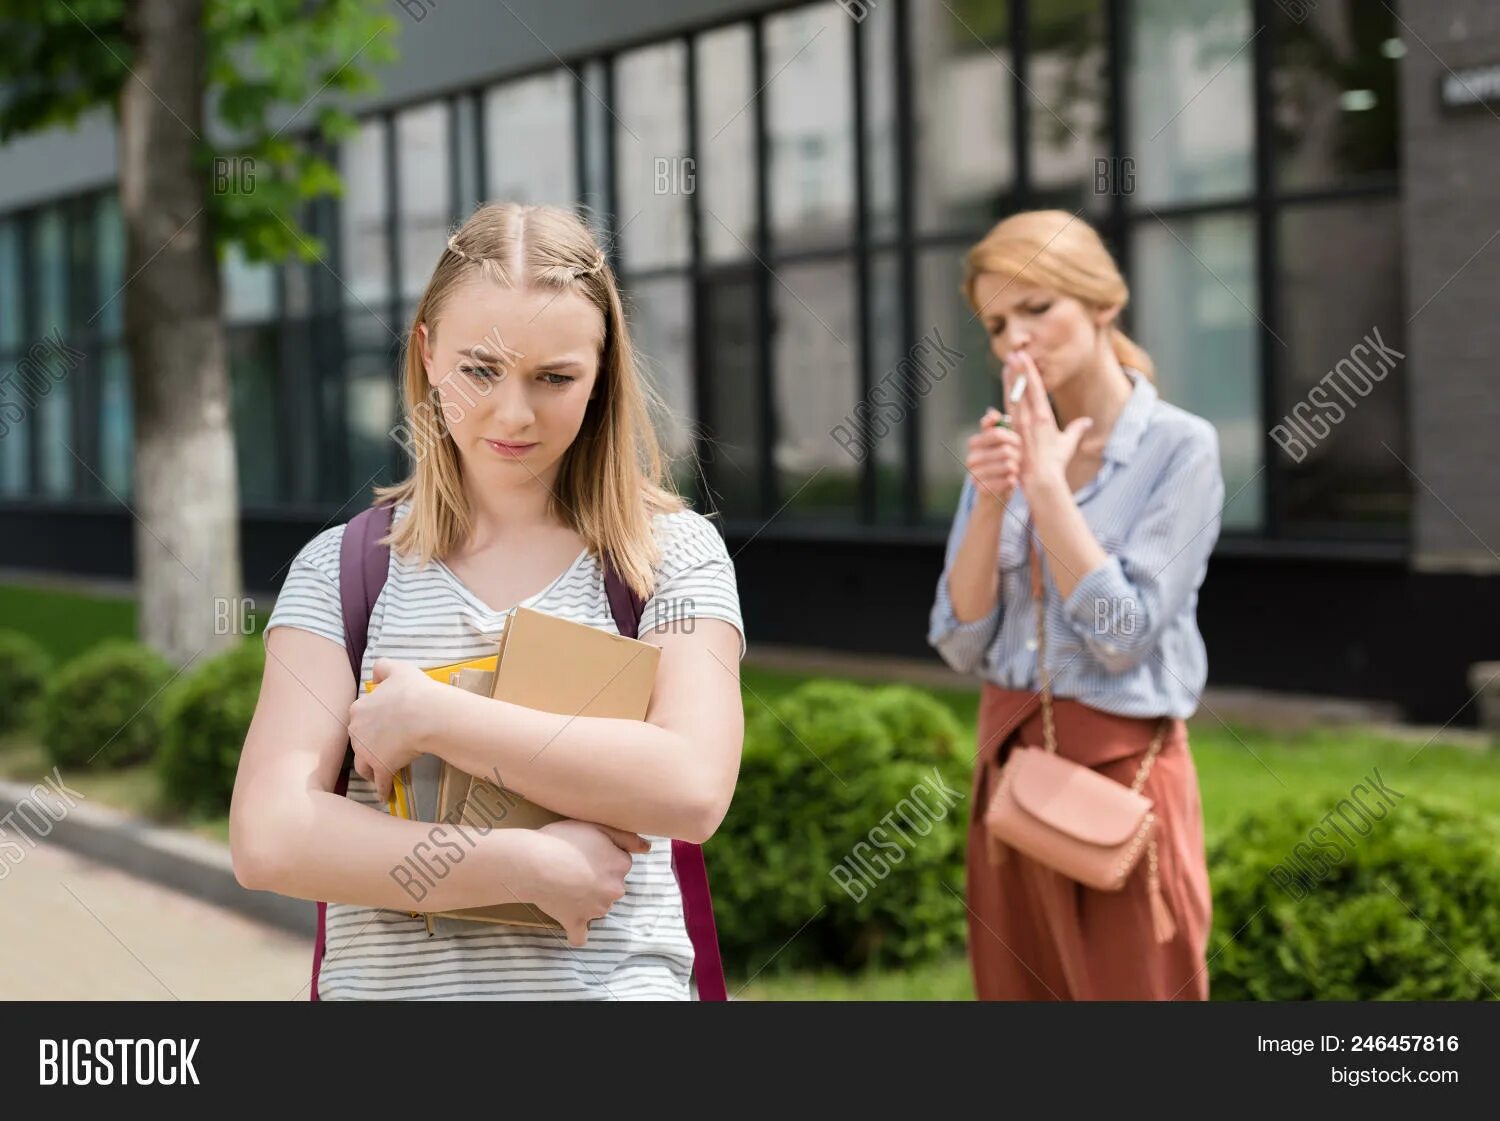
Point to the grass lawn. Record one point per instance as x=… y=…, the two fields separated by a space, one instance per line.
x=1239 y=769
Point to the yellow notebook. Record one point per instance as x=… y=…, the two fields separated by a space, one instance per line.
x=399 y=801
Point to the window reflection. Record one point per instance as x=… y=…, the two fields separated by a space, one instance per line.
x=813 y=348
x=809 y=122
x=1191 y=112
x=364 y=271
x=1068 y=116
x=963 y=86
x=1341 y=308
x=650 y=147
x=960 y=389
x=529 y=148
x=1194 y=307
x=53 y=423
x=1335 y=115
x=732 y=457
x=422 y=160
x=726 y=144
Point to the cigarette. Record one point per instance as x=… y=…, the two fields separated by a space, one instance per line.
x=1018 y=389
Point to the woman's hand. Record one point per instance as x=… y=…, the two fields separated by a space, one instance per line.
x=994 y=459
x=582 y=873
x=390 y=726
x=1046 y=450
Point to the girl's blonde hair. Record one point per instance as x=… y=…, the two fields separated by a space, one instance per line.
x=1058 y=250
x=613 y=479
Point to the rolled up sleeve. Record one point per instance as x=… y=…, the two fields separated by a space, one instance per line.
x=961 y=645
x=1120 y=608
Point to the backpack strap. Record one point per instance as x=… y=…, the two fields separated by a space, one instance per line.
x=687 y=859
x=364 y=564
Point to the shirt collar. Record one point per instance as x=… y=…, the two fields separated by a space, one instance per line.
x=1131 y=424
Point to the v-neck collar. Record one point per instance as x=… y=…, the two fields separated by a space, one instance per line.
x=479 y=605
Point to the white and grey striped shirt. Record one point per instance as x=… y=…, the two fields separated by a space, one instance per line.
x=1126 y=640
x=640 y=950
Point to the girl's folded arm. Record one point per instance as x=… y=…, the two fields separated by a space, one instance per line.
x=670 y=775
x=289 y=833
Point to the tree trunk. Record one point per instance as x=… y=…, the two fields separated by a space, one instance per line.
x=186 y=499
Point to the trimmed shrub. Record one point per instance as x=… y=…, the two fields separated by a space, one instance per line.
x=102 y=709
x=1411 y=911
x=204 y=724
x=24 y=666
x=845 y=842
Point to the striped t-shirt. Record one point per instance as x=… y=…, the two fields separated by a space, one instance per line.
x=426 y=615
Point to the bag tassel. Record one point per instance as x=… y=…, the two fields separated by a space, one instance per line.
x=1162 y=925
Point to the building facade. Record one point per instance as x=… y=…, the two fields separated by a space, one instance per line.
x=1299 y=191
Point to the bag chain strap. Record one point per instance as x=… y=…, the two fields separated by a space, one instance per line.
x=1049 y=730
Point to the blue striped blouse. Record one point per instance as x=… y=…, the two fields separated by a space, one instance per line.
x=1126 y=640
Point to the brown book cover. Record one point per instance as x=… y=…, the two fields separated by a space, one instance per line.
x=552 y=665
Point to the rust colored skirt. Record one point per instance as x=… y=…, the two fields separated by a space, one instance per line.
x=1034 y=934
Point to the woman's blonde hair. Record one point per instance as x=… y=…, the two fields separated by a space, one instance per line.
x=1058 y=250
x=613 y=479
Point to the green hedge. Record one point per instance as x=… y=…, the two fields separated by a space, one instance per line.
x=1410 y=911
x=103 y=709
x=798 y=878
x=204 y=724
x=24 y=666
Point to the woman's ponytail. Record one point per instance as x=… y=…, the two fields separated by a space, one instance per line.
x=1131 y=353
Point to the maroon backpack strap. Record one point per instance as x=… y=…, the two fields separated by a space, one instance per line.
x=363 y=566
x=687 y=859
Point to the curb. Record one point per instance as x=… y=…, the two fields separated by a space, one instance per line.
x=172 y=858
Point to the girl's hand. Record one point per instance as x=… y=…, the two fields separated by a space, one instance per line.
x=583 y=870
x=1046 y=450
x=389 y=726
x=994 y=459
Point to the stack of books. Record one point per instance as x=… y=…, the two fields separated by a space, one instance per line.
x=544 y=663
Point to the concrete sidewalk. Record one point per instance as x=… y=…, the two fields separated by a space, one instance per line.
x=74 y=929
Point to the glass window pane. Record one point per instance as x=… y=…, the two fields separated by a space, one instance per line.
x=882 y=181
x=15 y=402
x=249 y=288
x=1336 y=117
x=365 y=269
x=963 y=86
x=53 y=426
x=1191 y=107
x=952 y=407
x=660 y=330
x=370 y=415
x=469 y=192
x=650 y=146
x=528 y=141
x=253 y=386
x=817 y=385
x=1194 y=310
x=15 y=443
x=422 y=160
x=49 y=244
x=1070 y=150
x=111 y=264
x=596 y=125
x=726 y=144
x=10 y=286
x=886 y=353
x=733 y=339
x=809 y=121
x=115 y=449
x=1340 y=293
